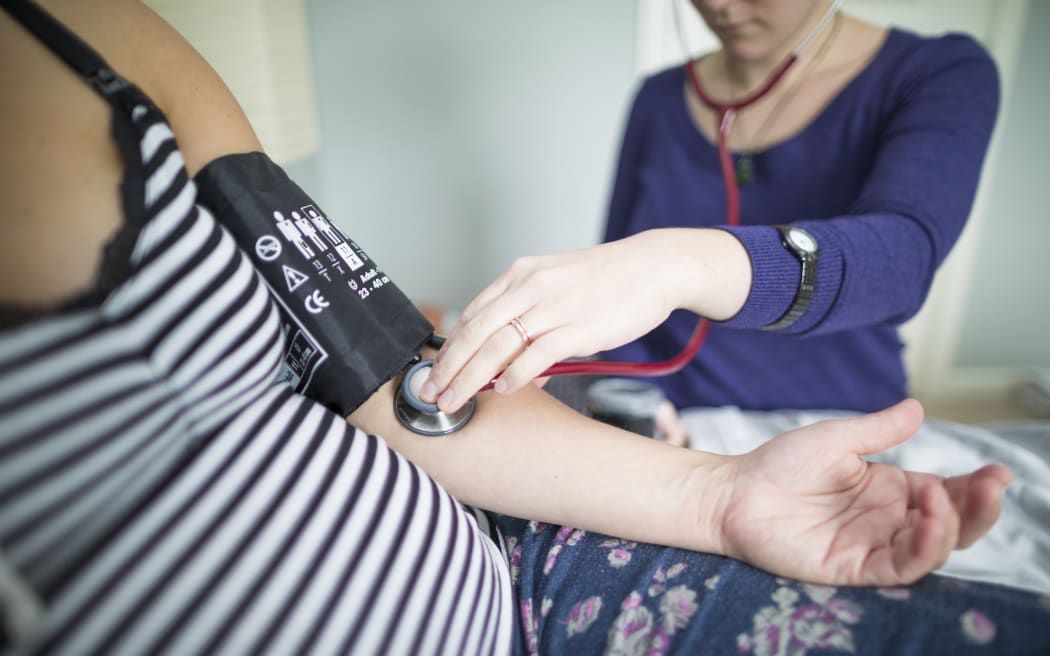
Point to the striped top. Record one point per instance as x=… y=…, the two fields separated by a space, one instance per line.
x=161 y=490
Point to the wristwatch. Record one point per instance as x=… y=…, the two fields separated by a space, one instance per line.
x=803 y=246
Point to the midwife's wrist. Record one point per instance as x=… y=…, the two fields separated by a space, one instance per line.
x=707 y=270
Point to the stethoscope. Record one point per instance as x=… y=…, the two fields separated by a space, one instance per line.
x=427 y=419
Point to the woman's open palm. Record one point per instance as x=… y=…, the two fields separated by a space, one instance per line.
x=807 y=505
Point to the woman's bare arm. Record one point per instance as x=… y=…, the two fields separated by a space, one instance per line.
x=530 y=456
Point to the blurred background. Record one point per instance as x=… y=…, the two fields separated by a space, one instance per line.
x=450 y=137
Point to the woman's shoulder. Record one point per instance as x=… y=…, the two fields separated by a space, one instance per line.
x=908 y=54
x=912 y=68
x=658 y=91
x=140 y=46
x=57 y=134
x=660 y=85
x=666 y=77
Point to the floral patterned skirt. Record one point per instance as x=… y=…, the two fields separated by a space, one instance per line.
x=583 y=593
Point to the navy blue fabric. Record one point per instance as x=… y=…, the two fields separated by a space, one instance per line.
x=585 y=593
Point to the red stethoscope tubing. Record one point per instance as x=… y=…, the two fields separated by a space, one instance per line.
x=726 y=114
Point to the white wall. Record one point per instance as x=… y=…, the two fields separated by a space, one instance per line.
x=457 y=135
x=1007 y=316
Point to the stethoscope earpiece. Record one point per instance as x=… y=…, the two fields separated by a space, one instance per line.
x=426 y=418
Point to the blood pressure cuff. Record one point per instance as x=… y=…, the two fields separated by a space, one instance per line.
x=348 y=328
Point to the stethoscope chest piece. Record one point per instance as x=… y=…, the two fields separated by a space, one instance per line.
x=425 y=418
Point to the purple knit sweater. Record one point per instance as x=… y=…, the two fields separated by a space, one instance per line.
x=884 y=178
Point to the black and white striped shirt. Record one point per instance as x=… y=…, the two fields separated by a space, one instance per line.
x=160 y=491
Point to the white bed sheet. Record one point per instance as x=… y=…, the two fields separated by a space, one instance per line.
x=1015 y=552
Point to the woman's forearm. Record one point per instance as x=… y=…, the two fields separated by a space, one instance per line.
x=806 y=505
x=529 y=456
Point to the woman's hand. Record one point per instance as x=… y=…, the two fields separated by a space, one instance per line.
x=584 y=301
x=670 y=426
x=806 y=505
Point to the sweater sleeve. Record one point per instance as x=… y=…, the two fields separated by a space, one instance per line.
x=624 y=192
x=877 y=262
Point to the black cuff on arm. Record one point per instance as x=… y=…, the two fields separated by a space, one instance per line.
x=348 y=329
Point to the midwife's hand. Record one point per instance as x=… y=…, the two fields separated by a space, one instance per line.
x=570 y=304
x=581 y=302
x=670 y=426
x=806 y=505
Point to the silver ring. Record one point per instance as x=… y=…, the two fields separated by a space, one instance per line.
x=526 y=338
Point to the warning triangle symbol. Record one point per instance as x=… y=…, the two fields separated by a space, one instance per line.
x=293 y=278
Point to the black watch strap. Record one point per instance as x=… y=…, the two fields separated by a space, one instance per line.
x=800 y=243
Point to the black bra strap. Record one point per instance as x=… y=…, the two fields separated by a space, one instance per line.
x=67 y=45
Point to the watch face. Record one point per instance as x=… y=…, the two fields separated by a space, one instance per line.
x=802 y=240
